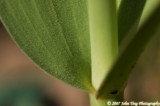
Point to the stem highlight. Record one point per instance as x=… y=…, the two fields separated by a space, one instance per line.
x=104 y=38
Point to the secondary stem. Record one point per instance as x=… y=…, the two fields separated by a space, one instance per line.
x=103 y=34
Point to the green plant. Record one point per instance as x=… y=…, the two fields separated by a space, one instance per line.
x=84 y=43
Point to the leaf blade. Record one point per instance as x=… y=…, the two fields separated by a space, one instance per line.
x=47 y=31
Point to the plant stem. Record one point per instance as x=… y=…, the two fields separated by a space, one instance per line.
x=104 y=40
x=95 y=102
x=106 y=102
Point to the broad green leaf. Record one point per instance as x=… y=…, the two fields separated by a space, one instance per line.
x=128 y=16
x=54 y=34
x=116 y=80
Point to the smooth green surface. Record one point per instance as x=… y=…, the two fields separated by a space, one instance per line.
x=103 y=36
x=95 y=102
x=118 y=2
x=128 y=17
x=117 y=78
x=54 y=34
x=149 y=7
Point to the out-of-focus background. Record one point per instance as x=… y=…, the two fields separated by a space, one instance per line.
x=22 y=82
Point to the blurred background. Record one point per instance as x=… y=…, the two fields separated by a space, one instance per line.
x=22 y=83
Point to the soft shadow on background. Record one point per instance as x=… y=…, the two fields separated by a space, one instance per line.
x=22 y=82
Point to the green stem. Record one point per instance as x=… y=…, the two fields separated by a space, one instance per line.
x=104 y=40
x=106 y=102
x=95 y=102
